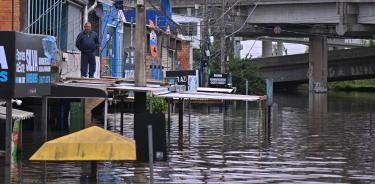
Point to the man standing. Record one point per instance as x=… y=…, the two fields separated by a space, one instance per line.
x=87 y=42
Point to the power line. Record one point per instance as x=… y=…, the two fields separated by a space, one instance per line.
x=243 y=25
x=223 y=14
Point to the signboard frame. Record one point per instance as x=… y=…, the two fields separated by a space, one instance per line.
x=29 y=70
x=220 y=80
x=182 y=76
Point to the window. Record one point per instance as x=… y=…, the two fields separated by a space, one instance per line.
x=58 y=18
x=190 y=28
x=44 y=17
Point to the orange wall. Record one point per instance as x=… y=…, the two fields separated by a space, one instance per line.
x=183 y=55
x=6 y=15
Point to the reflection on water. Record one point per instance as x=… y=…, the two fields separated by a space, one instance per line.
x=321 y=139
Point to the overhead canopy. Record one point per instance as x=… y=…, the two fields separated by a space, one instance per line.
x=16 y=114
x=92 y=143
x=69 y=90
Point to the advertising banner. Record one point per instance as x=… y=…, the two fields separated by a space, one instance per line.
x=25 y=71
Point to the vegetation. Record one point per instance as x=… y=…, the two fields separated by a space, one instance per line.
x=245 y=69
x=241 y=70
x=359 y=85
x=156 y=104
x=196 y=59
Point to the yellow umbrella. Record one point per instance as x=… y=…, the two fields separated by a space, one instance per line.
x=92 y=143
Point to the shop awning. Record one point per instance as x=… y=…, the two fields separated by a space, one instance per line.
x=90 y=144
x=16 y=114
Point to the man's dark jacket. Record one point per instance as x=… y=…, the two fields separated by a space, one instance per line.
x=87 y=43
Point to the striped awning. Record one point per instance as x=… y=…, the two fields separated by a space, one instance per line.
x=16 y=114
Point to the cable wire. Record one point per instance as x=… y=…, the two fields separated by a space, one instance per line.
x=243 y=25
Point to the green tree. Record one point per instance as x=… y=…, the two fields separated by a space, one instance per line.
x=245 y=69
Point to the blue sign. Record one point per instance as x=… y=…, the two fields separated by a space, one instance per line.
x=3 y=65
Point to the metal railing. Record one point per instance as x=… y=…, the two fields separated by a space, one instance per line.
x=44 y=17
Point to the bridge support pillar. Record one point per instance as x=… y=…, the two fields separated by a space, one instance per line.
x=279 y=48
x=318 y=64
x=266 y=48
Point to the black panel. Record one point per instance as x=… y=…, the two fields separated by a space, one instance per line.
x=141 y=121
x=7 y=72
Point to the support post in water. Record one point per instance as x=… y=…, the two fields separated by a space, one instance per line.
x=8 y=131
x=169 y=116
x=180 y=123
x=94 y=168
x=151 y=153
x=269 y=84
x=180 y=116
x=189 y=111
x=247 y=105
x=106 y=113
x=44 y=118
x=122 y=115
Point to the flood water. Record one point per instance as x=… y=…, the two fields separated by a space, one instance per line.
x=316 y=139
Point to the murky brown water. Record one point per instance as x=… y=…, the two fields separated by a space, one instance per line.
x=313 y=140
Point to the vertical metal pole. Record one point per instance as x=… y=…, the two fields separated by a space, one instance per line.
x=54 y=18
x=122 y=116
x=29 y=15
x=59 y=31
x=13 y=15
x=269 y=122
x=247 y=104
x=260 y=116
x=8 y=132
x=180 y=116
x=31 y=9
x=169 y=116
x=21 y=137
x=269 y=84
x=189 y=111
x=247 y=93
x=39 y=12
x=131 y=33
x=50 y=17
x=151 y=153
x=57 y=23
x=43 y=18
x=114 y=105
x=44 y=117
x=106 y=113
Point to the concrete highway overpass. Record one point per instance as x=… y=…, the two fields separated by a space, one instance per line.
x=350 y=64
x=296 y=18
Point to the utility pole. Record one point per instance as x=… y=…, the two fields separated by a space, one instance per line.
x=223 y=40
x=204 y=45
x=140 y=33
x=139 y=75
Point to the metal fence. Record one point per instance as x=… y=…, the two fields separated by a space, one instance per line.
x=44 y=17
